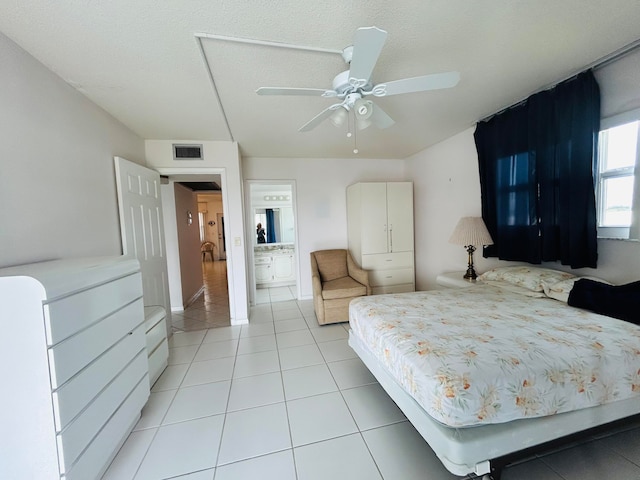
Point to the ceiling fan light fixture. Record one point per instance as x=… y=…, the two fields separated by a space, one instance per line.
x=362 y=123
x=339 y=116
x=363 y=109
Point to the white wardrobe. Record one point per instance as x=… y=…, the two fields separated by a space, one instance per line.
x=380 y=230
x=73 y=364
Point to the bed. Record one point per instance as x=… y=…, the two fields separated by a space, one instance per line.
x=500 y=367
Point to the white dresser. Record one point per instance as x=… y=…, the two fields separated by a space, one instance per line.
x=380 y=230
x=73 y=365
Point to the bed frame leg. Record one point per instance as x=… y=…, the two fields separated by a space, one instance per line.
x=488 y=470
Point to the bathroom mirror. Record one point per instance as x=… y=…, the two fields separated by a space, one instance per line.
x=274 y=225
x=273 y=219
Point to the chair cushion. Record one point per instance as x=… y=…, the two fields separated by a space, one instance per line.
x=332 y=264
x=344 y=287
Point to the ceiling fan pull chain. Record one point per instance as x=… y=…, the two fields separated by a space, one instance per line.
x=355 y=135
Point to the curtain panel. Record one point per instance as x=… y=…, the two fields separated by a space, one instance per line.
x=537 y=168
x=271 y=226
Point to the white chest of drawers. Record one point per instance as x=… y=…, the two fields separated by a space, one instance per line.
x=73 y=366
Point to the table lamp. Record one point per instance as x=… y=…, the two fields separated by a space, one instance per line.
x=471 y=232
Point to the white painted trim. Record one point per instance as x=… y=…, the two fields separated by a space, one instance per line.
x=194 y=297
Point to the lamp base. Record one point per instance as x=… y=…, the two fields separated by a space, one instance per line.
x=471 y=273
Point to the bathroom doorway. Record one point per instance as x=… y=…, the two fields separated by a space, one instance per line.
x=271 y=223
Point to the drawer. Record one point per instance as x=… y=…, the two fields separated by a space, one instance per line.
x=158 y=361
x=71 y=314
x=156 y=335
x=73 y=397
x=262 y=260
x=152 y=315
x=391 y=277
x=387 y=260
x=79 y=433
x=69 y=357
x=404 y=288
x=96 y=458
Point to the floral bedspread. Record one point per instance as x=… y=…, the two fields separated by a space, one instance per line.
x=484 y=355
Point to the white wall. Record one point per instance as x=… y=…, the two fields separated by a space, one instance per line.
x=168 y=196
x=57 y=181
x=219 y=158
x=321 y=198
x=446 y=187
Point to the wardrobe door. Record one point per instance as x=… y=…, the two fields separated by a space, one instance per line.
x=400 y=216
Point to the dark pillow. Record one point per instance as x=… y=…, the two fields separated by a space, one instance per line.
x=617 y=301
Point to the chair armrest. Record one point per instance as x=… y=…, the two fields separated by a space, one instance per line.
x=316 y=285
x=358 y=273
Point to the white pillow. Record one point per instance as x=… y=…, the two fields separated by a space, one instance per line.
x=515 y=288
x=531 y=278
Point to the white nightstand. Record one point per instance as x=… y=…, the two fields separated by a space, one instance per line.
x=455 y=280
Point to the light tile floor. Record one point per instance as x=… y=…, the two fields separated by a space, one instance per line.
x=283 y=398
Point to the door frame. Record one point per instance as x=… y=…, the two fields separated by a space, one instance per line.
x=250 y=233
x=234 y=301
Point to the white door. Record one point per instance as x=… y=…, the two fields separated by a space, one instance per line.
x=400 y=216
x=142 y=229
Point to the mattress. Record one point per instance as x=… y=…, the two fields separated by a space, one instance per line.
x=483 y=355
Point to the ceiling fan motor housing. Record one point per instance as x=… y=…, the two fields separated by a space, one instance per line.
x=343 y=87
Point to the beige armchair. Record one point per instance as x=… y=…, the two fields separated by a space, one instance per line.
x=336 y=280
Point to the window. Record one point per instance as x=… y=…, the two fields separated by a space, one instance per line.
x=536 y=164
x=201 y=221
x=617 y=180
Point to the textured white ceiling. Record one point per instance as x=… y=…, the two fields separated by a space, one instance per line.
x=140 y=60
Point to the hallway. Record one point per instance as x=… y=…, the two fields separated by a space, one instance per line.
x=211 y=308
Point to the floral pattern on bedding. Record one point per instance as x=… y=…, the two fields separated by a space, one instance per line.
x=484 y=355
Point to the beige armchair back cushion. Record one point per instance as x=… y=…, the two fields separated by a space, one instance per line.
x=336 y=280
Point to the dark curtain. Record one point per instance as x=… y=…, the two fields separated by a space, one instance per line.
x=537 y=164
x=271 y=230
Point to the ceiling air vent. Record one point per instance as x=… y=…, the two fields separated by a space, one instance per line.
x=187 y=152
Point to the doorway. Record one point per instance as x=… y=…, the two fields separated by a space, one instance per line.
x=201 y=293
x=272 y=230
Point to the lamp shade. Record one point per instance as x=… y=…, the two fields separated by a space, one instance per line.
x=471 y=231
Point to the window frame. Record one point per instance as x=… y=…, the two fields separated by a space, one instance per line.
x=631 y=232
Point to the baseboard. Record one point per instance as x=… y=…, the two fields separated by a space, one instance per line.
x=194 y=297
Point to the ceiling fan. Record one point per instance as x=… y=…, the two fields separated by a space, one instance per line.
x=352 y=86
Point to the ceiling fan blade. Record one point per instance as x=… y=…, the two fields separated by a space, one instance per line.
x=380 y=118
x=314 y=92
x=318 y=119
x=435 y=81
x=367 y=46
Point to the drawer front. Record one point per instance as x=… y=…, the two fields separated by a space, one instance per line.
x=75 y=395
x=96 y=458
x=156 y=335
x=391 y=277
x=158 y=362
x=404 y=288
x=152 y=315
x=387 y=260
x=71 y=314
x=69 y=357
x=75 y=438
x=262 y=260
